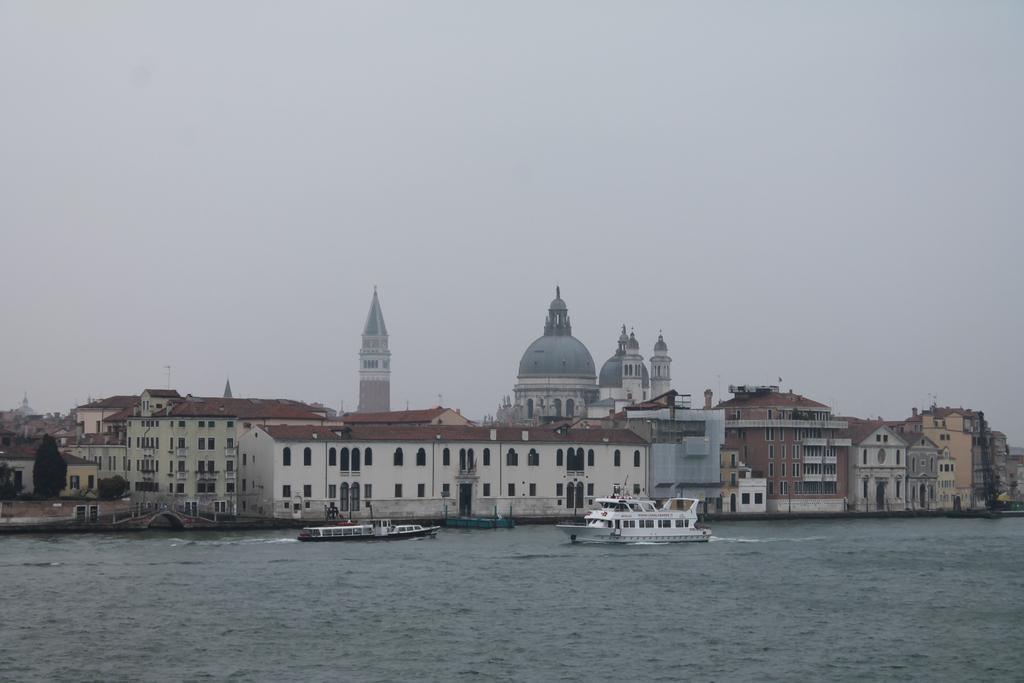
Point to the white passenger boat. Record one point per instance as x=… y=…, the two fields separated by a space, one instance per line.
x=374 y=530
x=624 y=519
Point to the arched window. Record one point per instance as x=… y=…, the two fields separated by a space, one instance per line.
x=368 y=456
x=636 y=458
x=570 y=408
x=913 y=465
x=398 y=457
x=559 y=458
x=446 y=457
x=570 y=459
x=286 y=456
x=864 y=458
x=529 y=408
x=579 y=494
x=307 y=456
x=343 y=496
x=897 y=460
x=421 y=457
x=487 y=457
x=881 y=456
x=355 y=459
x=462 y=460
x=533 y=458
x=570 y=495
x=332 y=457
x=470 y=459
x=618 y=458
x=933 y=463
x=590 y=457
x=512 y=458
x=557 y=407
x=345 y=461
x=354 y=498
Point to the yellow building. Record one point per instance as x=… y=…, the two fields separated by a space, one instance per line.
x=953 y=430
x=80 y=480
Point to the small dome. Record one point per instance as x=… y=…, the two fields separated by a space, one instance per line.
x=557 y=356
x=632 y=343
x=611 y=373
x=660 y=345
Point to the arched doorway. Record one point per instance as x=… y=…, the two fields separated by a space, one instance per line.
x=956 y=503
x=924 y=500
x=732 y=502
x=880 y=496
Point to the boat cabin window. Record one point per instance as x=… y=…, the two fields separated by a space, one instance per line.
x=634 y=506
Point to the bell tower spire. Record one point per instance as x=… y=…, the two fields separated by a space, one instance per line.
x=374 y=362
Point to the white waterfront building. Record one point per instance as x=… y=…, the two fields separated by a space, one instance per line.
x=418 y=472
x=878 y=468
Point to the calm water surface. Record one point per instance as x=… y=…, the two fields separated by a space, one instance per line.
x=778 y=601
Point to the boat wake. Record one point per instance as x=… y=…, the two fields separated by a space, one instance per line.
x=768 y=540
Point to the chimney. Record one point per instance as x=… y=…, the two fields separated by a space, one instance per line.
x=707 y=399
x=494 y=435
x=913 y=411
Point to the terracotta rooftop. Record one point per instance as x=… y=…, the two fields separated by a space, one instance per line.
x=120 y=416
x=449 y=433
x=858 y=429
x=242 y=408
x=772 y=399
x=163 y=393
x=74 y=460
x=119 y=401
x=424 y=416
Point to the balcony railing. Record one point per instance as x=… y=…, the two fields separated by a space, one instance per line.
x=795 y=424
x=230 y=475
x=182 y=474
x=230 y=451
x=182 y=452
x=813 y=442
x=206 y=475
x=148 y=452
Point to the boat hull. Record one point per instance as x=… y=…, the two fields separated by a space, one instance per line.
x=422 y=533
x=586 y=534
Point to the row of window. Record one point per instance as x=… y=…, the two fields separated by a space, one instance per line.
x=206 y=424
x=348 y=460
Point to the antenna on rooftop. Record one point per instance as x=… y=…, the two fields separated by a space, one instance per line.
x=439 y=401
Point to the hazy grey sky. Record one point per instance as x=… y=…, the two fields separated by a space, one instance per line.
x=827 y=192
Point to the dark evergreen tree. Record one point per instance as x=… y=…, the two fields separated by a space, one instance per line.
x=112 y=488
x=49 y=471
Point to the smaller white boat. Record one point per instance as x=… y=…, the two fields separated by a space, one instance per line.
x=374 y=530
x=625 y=519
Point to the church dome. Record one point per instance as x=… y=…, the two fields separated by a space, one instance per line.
x=660 y=345
x=557 y=353
x=557 y=356
x=611 y=373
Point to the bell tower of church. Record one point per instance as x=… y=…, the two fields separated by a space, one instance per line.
x=374 y=363
x=661 y=368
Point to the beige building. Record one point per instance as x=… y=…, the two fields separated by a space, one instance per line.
x=953 y=430
x=183 y=451
x=80 y=479
x=91 y=418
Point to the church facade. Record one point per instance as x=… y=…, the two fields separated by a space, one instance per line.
x=558 y=379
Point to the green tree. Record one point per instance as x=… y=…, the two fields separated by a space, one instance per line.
x=112 y=488
x=49 y=471
x=8 y=489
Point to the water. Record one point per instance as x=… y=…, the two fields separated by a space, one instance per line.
x=935 y=599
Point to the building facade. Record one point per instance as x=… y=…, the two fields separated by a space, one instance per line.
x=922 y=472
x=415 y=472
x=878 y=468
x=794 y=442
x=374 y=363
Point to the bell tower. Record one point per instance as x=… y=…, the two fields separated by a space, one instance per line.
x=374 y=363
x=661 y=368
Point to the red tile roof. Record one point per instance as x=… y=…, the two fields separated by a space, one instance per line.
x=120 y=416
x=858 y=429
x=120 y=401
x=772 y=400
x=163 y=393
x=395 y=416
x=449 y=433
x=74 y=460
x=241 y=408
